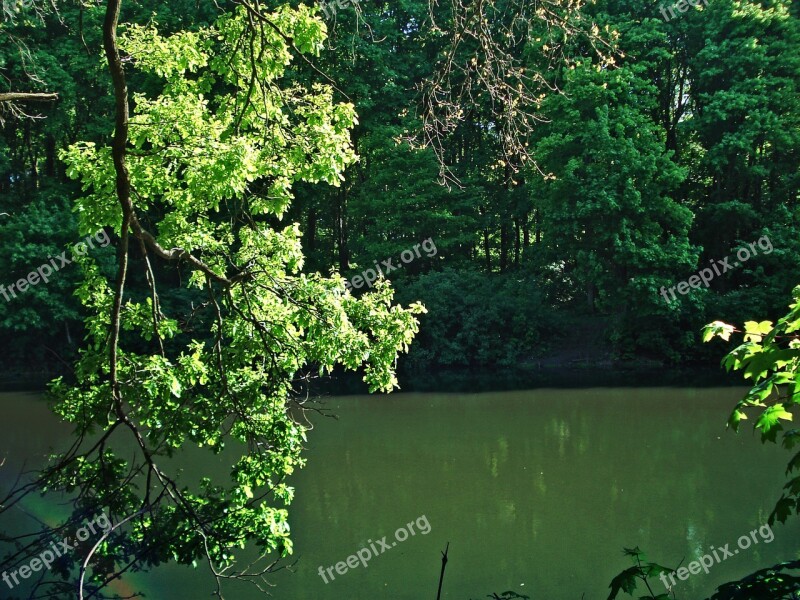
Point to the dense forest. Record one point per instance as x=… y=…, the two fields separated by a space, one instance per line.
x=627 y=159
x=207 y=206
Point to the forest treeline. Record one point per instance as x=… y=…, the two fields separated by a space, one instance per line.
x=655 y=149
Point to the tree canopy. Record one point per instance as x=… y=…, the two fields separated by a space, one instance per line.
x=570 y=163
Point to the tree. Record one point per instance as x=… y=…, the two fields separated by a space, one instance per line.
x=610 y=222
x=194 y=187
x=747 y=117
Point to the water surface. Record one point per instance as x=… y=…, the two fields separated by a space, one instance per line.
x=536 y=491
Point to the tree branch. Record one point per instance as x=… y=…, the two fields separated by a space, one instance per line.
x=27 y=97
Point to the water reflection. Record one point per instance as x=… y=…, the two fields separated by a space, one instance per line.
x=540 y=488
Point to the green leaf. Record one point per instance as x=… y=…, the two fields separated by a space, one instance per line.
x=175 y=387
x=769 y=421
x=736 y=418
x=718 y=328
x=624 y=582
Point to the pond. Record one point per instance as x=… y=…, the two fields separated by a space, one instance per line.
x=535 y=491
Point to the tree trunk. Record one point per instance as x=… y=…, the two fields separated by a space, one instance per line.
x=526 y=231
x=341 y=230
x=50 y=155
x=311 y=230
x=487 y=250
x=28 y=137
x=504 y=235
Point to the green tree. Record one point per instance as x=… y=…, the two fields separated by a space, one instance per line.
x=198 y=178
x=746 y=112
x=610 y=223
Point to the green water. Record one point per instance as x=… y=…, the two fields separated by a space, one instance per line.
x=536 y=491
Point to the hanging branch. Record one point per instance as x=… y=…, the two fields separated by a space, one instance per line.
x=498 y=60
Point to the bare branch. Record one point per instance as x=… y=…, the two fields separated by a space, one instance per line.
x=497 y=64
x=27 y=97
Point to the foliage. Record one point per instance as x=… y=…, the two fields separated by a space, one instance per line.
x=769 y=357
x=773 y=583
x=641 y=571
x=616 y=236
x=212 y=159
x=670 y=144
x=474 y=320
x=33 y=234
